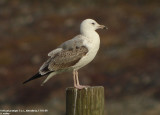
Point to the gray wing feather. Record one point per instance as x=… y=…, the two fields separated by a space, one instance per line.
x=63 y=60
x=54 y=52
x=73 y=43
x=67 y=58
x=67 y=55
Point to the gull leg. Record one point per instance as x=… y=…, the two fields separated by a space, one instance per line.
x=74 y=78
x=78 y=86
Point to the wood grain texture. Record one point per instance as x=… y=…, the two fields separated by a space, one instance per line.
x=89 y=101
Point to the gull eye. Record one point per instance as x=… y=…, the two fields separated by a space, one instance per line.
x=93 y=23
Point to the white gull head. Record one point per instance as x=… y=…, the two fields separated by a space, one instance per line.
x=89 y=25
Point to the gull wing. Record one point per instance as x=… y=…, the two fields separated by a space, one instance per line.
x=63 y=60
x=66 y=56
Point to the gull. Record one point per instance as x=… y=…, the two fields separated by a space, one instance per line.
x=72 y=54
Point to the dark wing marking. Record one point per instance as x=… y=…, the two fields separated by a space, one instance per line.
x=44 y=68
x=37 y=75
x=64 y=59
x=67 y=58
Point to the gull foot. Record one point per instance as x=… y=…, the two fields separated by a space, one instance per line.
x=81 y=86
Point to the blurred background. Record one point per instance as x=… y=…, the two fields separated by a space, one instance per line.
x=127 y=64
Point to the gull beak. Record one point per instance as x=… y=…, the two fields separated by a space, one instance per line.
x=102 y=27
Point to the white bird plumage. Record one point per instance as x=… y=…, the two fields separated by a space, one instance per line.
x=73 y=54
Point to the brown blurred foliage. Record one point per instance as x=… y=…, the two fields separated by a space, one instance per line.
x=127 y=64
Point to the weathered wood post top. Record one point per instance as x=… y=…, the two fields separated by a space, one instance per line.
x=87 y=101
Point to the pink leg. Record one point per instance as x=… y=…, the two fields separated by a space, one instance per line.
x=78 y=86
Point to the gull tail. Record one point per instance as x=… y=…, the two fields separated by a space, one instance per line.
x=38 y=75
x=49 y=77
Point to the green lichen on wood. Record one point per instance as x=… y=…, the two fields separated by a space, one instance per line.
x=88 y=101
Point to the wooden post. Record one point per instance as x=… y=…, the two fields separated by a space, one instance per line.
x=88 y=101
